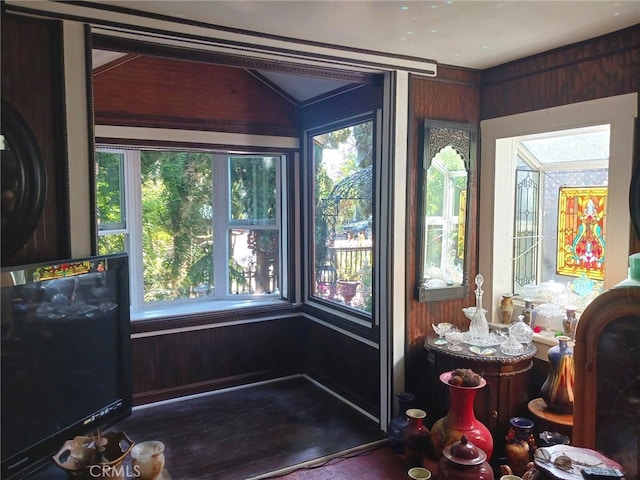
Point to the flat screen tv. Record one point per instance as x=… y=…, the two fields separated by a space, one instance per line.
x=65 y=356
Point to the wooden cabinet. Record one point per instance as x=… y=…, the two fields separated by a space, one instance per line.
x=607 y=393
x=506 y=394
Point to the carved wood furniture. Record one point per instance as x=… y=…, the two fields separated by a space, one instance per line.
x=505 y=395
x=607 y=380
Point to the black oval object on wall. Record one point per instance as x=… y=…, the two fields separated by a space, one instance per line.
x=23 y=181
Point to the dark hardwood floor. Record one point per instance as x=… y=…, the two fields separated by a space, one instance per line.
x=246 y=432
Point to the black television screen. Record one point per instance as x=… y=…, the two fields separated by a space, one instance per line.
x=65 y=356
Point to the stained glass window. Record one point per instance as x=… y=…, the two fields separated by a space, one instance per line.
x=581 y=231
x=526 y=241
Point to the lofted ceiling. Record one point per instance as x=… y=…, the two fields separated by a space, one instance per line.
x=475 y=34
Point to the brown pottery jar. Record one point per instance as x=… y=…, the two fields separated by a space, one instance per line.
x=462 y=460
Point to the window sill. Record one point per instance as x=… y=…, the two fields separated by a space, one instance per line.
x=543 y=343
x=198 y=308
x=207 y=314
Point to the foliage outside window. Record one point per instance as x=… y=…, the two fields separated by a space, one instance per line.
x=196 y=224
x=343 y=216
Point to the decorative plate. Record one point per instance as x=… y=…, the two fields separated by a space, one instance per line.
x=565 y=462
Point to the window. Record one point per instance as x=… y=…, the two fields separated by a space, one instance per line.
x=342 y=186
x=197 y=225
x=502 y=139
x=559 y=215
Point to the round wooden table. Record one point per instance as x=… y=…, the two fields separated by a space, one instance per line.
x=550 y=420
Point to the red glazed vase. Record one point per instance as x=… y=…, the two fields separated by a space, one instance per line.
x=415 y=438
x=460 y=420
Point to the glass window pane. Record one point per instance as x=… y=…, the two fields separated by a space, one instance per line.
x=254 y=261
x=110 y=190
x=113 y=243
x=526 y=237
x=445 y=216
x=253 y=190
x=343 y=216
x=177 y=240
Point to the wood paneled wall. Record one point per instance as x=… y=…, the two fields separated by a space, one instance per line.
x=167 y=93
x=32 y=82
x=453 y=96
x=167 y=365
x=602 y=67
x=348 y=366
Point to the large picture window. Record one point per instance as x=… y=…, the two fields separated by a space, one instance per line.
x=343 y=220
x=197 y=225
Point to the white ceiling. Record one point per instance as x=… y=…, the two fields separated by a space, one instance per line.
x=468 y=33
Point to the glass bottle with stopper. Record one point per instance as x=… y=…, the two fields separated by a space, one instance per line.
x=521 y=331
x=479 y=327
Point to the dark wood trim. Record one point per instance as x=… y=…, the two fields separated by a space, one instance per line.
x=37 y=66
x=181 y=123
x=211 y=318
x=61 y=144
x=218 y=147
x=338 y=320
x=457 y=76
x=351 y=89
x=364 y=100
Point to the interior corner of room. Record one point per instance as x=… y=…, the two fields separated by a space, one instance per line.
x=357 y=200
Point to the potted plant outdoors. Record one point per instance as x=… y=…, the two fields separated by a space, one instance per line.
x=348 y=287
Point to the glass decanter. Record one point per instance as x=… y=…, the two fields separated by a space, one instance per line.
x=479 y=327
x=521 y=331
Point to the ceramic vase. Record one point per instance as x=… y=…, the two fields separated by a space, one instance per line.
x=460 y=420
x=506 y=309
x=399 y=423
x=520 y=444
x=416 y=438
x=557 y=389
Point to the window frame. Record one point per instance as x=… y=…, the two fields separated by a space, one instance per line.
x=223 y=223
x=332 y=310
x=617 y=111
x=542 y=170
